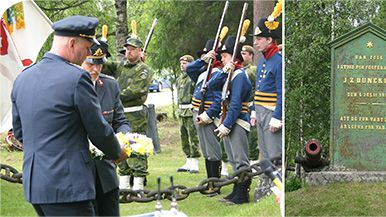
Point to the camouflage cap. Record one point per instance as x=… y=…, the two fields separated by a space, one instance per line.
x=135 y=42
x=248 y=48
x=187 y=58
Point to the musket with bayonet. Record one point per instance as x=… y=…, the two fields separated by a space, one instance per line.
x=242 y=29
x=155 y=22
x=221 y=32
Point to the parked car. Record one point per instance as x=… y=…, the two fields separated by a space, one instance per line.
x=155 y=86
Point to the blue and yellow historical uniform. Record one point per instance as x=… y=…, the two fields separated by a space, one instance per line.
x=268 y=100
x=212 y=98
x=235 y=126
x=209 y=142
x=269 y=84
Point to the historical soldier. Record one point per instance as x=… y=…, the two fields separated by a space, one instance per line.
x=247 y=52
x=205 y=122
x=107 y=89
x=188 y=133
x=235 y=126
x=134 y=78
x=268 y=99
x=55 y=110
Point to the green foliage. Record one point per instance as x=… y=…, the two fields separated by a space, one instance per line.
x=310 y=26
x=102 y=9
x=292 y=183
x=340 y=199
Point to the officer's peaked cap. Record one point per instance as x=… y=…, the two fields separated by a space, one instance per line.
x=80 y=26
x=99 y=53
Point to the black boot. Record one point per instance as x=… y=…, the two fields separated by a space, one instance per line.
x=242 y=193
x=208 y=168
x=216 y=168
x=231 y=195
x=215 y=171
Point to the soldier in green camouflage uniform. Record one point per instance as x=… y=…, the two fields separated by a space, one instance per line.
x=188 y=133
x=248 y=52
x=134 y=78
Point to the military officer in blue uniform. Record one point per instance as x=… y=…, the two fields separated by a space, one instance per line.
x=235 y=126
x=207 y=120
x=107 y=89
x=268 y=98
x=55 y=110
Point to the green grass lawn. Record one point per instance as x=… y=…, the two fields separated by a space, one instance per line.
x=339 y=199
x=163 y=165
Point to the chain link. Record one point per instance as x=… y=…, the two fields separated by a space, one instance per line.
x=206 y=186
x=180 y=192
x=10 y=174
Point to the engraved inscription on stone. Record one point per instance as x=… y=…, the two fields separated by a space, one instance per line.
x=358 y=116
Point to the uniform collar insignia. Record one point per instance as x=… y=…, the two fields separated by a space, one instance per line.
x=100 y=82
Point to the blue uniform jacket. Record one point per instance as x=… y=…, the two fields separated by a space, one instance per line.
x=269 y=84
x=108 y=93
x=55 y=109
x=196 y=70
x=239 y=96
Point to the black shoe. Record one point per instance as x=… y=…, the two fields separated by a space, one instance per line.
x=229 y=196
x=182 y=170
x=241 y=194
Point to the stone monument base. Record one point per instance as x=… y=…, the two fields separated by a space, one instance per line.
x=329 y=177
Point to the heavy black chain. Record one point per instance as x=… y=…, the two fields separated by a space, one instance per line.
x=181 y=192
x=10 y=174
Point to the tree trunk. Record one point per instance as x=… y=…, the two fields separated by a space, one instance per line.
x=121 y=26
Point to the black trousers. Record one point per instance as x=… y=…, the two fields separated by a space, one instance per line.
x=106 y=204
x=83 y=208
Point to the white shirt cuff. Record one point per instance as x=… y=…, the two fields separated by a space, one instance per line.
x=204 y=117
x=275 y=123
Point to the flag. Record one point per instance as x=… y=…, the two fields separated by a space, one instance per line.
x=23 y=30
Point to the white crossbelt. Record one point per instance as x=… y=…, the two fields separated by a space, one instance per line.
x=133 y=108
x=185 y=106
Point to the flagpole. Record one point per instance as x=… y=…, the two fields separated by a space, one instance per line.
x=41 y=12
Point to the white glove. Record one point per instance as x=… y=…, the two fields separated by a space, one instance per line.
x=205 y=118
x=222 y=131
x=275 y=125
x=229 y=67
x=210 y=55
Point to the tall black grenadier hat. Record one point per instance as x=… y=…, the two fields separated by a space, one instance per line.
x=229 y=46
x=208 y=47
x=262 y=29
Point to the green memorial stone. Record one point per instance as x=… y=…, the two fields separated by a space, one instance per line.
x=358 y=99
